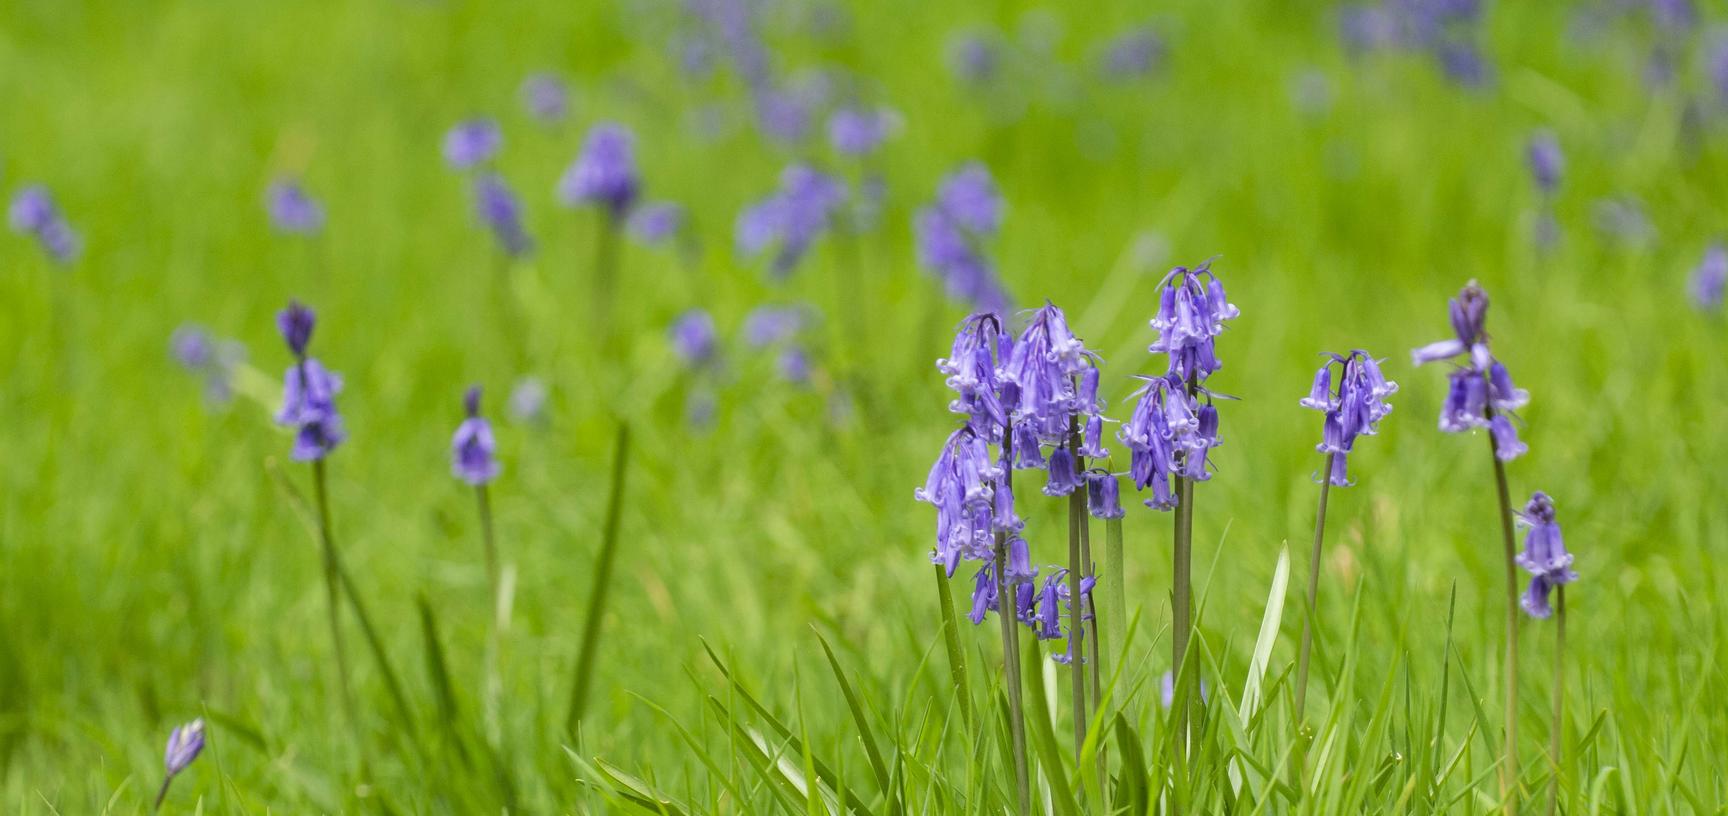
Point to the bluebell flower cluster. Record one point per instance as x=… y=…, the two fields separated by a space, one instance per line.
x=1545 y=556
x=292 y=210
x=472 y=142
x=1481 y=393
x=546 y=97
x=473 y=451
x=308 y=391
x=1172 y=430
x=498 y=208
x=1710 y=278
x=951 y=232
x=211 y=360
x=791 y=219
x=1354 y=408
x=604 y=173
x=1054 y=391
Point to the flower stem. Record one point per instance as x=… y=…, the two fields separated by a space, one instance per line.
x=1076 y=609
x=1313 y=592
x=1011 y=644
x=1182 y=613
x=161 y=793
x=332 y=585
x=492 y=685
x=1554 y=734
x=584 y=670
x=1115 y=590
x=1509 y=768
x=605 y=269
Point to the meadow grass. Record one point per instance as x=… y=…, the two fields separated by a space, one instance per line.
x=771 y=639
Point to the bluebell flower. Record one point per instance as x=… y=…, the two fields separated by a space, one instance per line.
x=1103 y=495
x=794 y=365
x=604 y=173
x=1480 y=391
x=974 y=59
x=499 y=210
x=212 y=360
x=1133 y=53
x=292 y=211
x=34 y=213
x=472 y=142
x=1045 y=368
x=1544 y=556
x=1711 y=278
x=859 y=131
x=473 y=452
x=694 y=338
x=528 y=400
x=184 y=745
x=1354 y=409
x=962 y=485
x=546 y=97
x=974 y=371
x=792 y=218
x=768 y=325
x=955 y=258
x=1546 y=161
x=308 y=391
x=653 y=223
x=1192 y=311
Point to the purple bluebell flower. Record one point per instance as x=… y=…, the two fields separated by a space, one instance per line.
x=1354 y=409
x=1480 y=391
x=546 y=97
x=1103 y=495
x=308 y=391
x=1711 y=278
x=1046 y=368
x=1133 y=53
x=212 y=360
x=767 y=325
x=694 y=338
x=473 y=452
x=859 y=131
x=794 y=365
x=528 y=400
x=1462 y=62
x=1049 y=605
x=1623 y=220
x=969 y=196
x=791 y=219
x=784 y=114
x=954 y=257
x=983 y=593
x=184 y=745
x=604 y=173
x=472 y=142
x=962 y=486
x=1716 y=66
x=1544 y=548
x=1364 y=28
x=655 y=222
x=292 y=210
x=1064 y=476
x=1535 y=600
x=1546 y=161
x=1192 y=310
x=34 y=213
x=975 y=370
x=499 y=210
x=974 y=58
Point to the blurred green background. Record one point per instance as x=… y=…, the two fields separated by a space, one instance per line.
x=151 y=571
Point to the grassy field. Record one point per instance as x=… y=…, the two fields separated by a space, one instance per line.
x=154 y=568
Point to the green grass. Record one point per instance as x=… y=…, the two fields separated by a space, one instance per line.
x=153 y=570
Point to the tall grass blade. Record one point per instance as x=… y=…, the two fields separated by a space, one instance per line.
x=585 y=657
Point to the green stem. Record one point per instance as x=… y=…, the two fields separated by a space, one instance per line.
x=491 y=683
x=1076 y=609
x=605 y=270
x=1011 y=644
x=602 y=582
x=332 y=584
x=951 y=641
x=1114 y=590
x=1313 y=592
x=1554 y=735
x=1509 y=768
x=484 y=501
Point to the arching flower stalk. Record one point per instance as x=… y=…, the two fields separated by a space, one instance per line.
x=1481 y=395
x=1353 y=408
x=1550 y=566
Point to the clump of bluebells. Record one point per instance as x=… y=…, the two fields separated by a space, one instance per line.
x=1544 y=556
x=1055 y=390
x=1353 y=408
x=790 y=220
x=34 y=213
x=308 y=391
x=1481 y=393
x=777 y=328
x=211 y=360
x=604 y=173
x=951 y=232
x=1172 y=430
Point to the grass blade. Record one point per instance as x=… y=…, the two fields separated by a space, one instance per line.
x=584 y=671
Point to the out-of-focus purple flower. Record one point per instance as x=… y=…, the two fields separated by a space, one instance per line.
x=1354 y=409
x=34 y=213
x=1622 y=219
x=1716 y=65
x=546 y=97
x=784 y=114
x=859 y=131
x=1546 y=161
x=1192 y=310
x=1544 y=548
x=472 y=142
x=767 y=325
x=498 y=208
x=699 y=409
x=792 y=218
x=1133 y=53
x=1366 y=28
x=193 y=347
x=974 y=58
x=473 y=452
x=950 y=231
x=528 y=400
x=969 y=197
x=655 y=222
x=308 y=391
x=1711 y=278
x=604 y=173
x=1463 y=63
x=794 y=365
x=1480 y=391
x=184 y=745
x=1673 y=15
x=694 y=338
x=292 y=210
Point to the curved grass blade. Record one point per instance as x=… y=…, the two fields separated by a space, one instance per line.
x=1044 y=736
x=864 y=731
x=951 y=641
x=584 y=671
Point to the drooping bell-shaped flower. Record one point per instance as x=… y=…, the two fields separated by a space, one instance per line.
x=473 y=452
x=292 y=210
x=1546 y=161
x=1480 y=391
x=604 y=173
x=790 y=220
x=472 y=142
x=1192 y=310
x=1544 y=548
x=184 y=745
x=498 y=209
x=1711 y=278
x=973 y=371
x=1103 y=495
x=308 y=391
x=1354 y=409
x=856 y=131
